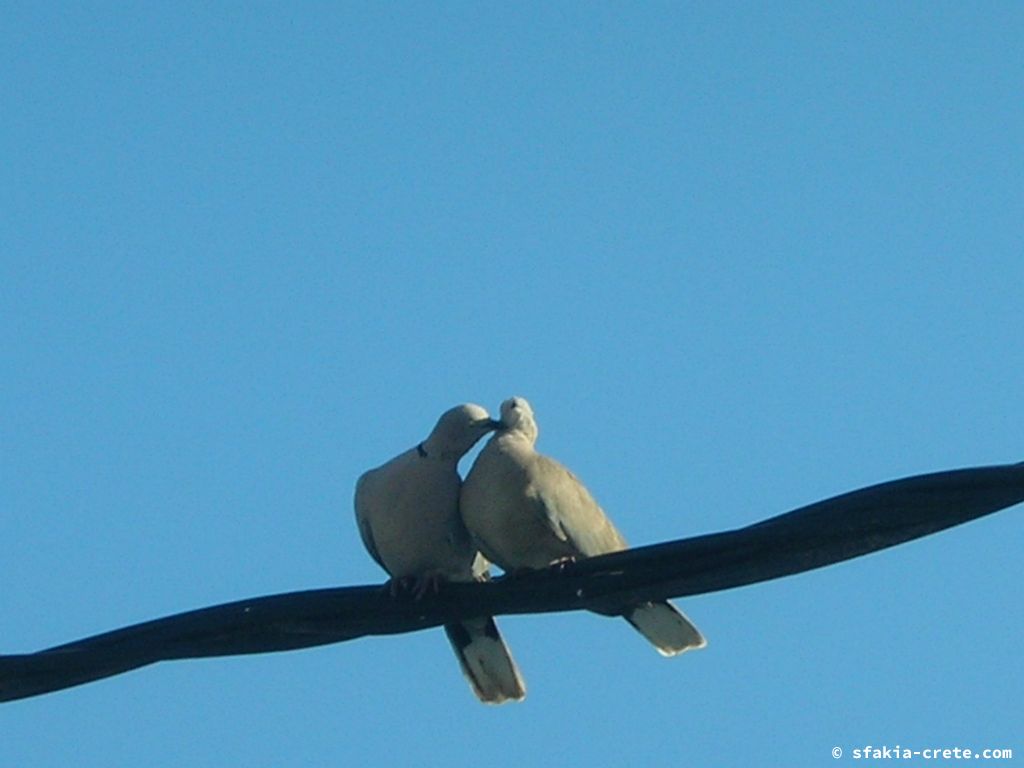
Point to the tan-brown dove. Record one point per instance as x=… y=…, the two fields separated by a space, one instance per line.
x=525 y=510
x=408 y=516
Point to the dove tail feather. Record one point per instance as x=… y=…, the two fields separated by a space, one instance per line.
x=486 y=661
x=665 y=626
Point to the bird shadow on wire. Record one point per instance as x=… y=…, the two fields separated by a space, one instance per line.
x=826 y=532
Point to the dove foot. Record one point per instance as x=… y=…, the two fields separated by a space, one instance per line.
x=561 y=565
x=415 y=586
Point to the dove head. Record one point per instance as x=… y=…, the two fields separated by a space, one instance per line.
x=457 y=431
x=517 y=416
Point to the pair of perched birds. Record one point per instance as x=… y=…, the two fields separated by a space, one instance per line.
x=517 y=509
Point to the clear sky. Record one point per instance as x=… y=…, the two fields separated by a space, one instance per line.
x=740 y=257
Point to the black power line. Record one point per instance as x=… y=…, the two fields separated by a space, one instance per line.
x=817 y=535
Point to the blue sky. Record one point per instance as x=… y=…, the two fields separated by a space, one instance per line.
x=740 y=257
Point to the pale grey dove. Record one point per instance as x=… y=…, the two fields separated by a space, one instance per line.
x=408 y=516
x=525 y=510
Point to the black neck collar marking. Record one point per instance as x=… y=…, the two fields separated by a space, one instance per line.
x=421 y=451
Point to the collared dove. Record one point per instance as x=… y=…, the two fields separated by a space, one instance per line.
x=525 y=510
x=408 y=516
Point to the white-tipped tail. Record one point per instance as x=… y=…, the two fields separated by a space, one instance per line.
x=486 y=661
x=665 y=627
